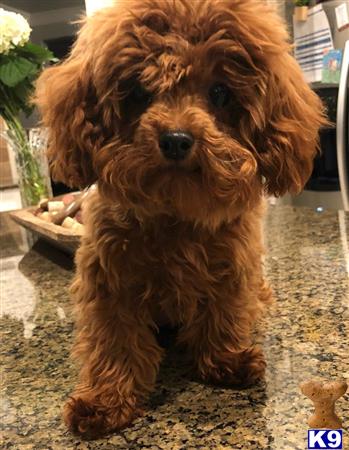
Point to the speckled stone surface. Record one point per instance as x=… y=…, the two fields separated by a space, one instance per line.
x=305 y=335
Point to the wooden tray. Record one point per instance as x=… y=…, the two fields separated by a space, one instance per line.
x=60 y=237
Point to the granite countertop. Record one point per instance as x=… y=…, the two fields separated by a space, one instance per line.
x=305 y=335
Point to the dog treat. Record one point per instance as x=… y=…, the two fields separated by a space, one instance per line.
x=46 y=216
x=68 y=198
x=56 y=211
x=55 y=206
x=324 y=395
x=43 y=204
x=78 y=216
x=38 y=211
x=72 y=208
x=72 y=224
x=77 y=227
x=68 y=222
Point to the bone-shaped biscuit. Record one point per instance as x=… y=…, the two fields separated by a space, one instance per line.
x=324 y=395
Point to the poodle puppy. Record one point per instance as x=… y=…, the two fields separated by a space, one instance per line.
x=185 y=114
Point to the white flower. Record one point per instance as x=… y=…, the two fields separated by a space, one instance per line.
x=14 y=30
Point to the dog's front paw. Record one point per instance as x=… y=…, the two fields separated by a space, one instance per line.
x=252 y=366
x=237 y=369
x=91 y=420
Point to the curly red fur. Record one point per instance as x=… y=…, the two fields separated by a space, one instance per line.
x=179 y=243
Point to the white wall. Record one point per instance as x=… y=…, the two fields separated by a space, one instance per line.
x=94 y=5
x=54 y=24
x=8 y=7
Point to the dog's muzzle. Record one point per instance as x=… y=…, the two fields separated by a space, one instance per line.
x=176 y=145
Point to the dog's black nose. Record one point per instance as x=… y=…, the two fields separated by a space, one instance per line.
x=176 y=144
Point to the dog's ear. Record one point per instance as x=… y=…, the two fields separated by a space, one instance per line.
x=65 y=97
x=289 y=141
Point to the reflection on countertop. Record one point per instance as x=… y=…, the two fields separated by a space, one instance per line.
x=305 y=335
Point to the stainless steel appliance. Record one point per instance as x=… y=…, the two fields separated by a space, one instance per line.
x=328 y=186
x=343 y=129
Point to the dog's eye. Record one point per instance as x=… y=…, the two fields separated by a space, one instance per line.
x=140 y=96
x=219 y=95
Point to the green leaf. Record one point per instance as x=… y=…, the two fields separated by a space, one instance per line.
x=16 y=70
x=36 y=52
x=22 y=93
x=8 y=102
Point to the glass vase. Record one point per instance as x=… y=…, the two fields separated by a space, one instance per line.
x=33 y=173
